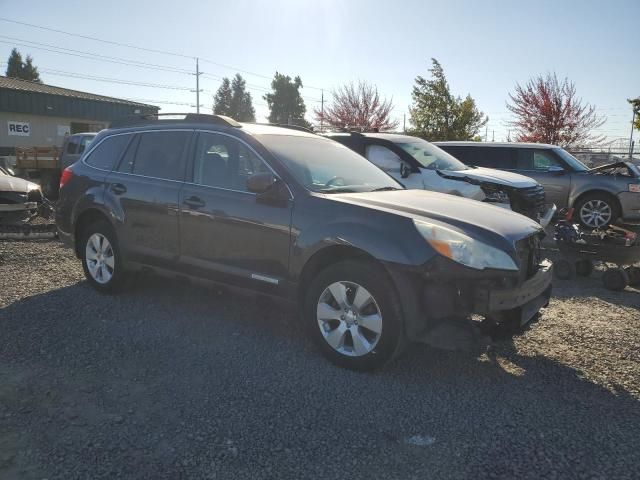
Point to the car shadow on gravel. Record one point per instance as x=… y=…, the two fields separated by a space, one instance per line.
x=173 y=381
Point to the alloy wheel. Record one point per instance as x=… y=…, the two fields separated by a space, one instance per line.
x=595 y=213
x=349 y=318
x=100 y=258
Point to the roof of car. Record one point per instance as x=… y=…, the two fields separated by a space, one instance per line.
x=385 y=136
x=497 y=144
x=262 y=129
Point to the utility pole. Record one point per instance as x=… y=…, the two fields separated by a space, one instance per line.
x=486 y=134
x=404 y=123
x=322 y=109
x=197 y=74
x=633 y=121
x=493 y=135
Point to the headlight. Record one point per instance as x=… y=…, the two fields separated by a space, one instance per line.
x=495 y=196
x=634 y=187
x=464 y=249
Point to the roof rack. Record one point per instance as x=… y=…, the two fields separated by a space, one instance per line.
x=151 y=118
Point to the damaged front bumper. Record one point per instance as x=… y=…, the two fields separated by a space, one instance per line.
x=440 y=303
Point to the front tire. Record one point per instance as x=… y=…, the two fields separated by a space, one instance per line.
x=101 y=260
x=353 y=313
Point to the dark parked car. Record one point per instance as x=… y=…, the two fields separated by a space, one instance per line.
x=296 y=215
x=74 y=146
x=599 y=195
x=419 y=164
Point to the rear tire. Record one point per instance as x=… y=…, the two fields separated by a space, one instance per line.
x=597 y=210
x=584 y=268
x=615 y=279
x=353 y=313
x=634 y=275
x=101 y=259
x=564 y=270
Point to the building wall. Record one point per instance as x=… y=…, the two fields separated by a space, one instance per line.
x=43 y=131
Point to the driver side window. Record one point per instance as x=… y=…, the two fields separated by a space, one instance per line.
x=383 y=158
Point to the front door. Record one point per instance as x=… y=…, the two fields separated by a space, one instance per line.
x=145 y=187
x=225 y=232
x=543 y=166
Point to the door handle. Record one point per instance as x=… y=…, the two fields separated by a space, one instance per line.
x=194 y=202
x=118 y=188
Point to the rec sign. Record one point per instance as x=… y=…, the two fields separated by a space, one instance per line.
x=22 y=129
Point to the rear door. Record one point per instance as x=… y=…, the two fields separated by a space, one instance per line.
x=539 y=164
x=226 y=232
x=145 y=188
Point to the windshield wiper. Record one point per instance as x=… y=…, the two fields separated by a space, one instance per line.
x=385 y=189
x=339 y=190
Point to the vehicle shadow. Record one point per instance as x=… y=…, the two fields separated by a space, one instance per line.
x=163 y=350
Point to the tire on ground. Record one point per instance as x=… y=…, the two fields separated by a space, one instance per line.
x=376 y=281
x=118 y=277
x=597 y=196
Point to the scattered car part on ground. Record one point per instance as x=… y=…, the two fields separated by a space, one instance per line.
x=579 y=250
x=372 y=265
x=599 y=195
x=418 y=164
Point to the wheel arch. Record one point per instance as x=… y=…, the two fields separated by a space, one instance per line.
x=87 y=217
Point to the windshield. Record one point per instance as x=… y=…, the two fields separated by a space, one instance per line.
x=432 y=157
x=322 y=165
x=573 y=162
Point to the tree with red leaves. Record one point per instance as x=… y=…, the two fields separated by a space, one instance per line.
x=359 y=106
x=548 y=111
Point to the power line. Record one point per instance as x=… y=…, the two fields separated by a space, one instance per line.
x=137 y=47
x=90 y=55
x=63 y=73
x=87 y=37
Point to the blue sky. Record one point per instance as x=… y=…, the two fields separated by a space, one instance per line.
x=484 y=47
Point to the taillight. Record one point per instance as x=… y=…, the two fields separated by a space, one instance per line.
x=67 y=175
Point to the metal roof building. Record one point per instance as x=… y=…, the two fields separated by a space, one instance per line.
x=35 y=114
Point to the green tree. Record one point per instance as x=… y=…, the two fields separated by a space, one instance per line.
x=16 y=68
x=285 y=103
x=222 y=99
x=436 y=114
x=234 y=101
x=635 y=105
x=241 y=101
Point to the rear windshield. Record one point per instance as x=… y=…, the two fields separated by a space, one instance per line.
x=322 y=165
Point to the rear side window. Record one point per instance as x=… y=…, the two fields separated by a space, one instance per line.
x=161 y=155
x=108 y=152
x=498 y=157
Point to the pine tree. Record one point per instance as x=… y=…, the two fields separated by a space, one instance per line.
x=14 y=64
x=285 y=102
x=16 y=68
x=241 y=102
x=222 y=99
x=437 y=115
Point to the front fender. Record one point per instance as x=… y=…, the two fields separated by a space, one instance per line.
x=395 y=241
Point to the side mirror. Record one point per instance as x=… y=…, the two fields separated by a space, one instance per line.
x=405 y=170
x=555 y=169
x=260 y=182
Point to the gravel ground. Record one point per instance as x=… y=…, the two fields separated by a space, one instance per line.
x=174 y=381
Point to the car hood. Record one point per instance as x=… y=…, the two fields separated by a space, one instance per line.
x=15 y=184
x=499 y=177
x=477 y=219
